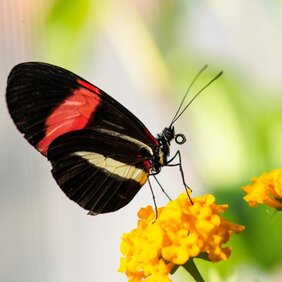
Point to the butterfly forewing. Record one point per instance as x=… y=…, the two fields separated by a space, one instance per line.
x=33 y=92
x=100 y=152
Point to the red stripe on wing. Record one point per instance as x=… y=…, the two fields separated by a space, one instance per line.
x=89 y=86
x=95 y=89
x=72 y=114
x=149 y=134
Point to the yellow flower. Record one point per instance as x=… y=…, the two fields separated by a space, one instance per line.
x=181 y=231
x=266 y=189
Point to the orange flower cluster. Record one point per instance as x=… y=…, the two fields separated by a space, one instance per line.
x=266 y=189
x=181 y=231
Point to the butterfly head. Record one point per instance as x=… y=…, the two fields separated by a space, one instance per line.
x=164 y=139
x=168 y=134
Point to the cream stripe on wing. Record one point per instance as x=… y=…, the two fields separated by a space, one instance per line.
x=127 y=138
x=115 y=167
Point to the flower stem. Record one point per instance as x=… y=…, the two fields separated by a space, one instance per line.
x=191 y=267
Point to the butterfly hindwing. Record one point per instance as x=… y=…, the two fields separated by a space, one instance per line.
x=98 y=169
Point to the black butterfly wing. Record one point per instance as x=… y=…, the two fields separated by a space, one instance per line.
x=99 y=169
x=46 y=101
x=100 y=152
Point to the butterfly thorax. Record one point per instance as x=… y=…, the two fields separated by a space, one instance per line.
x=161 y=152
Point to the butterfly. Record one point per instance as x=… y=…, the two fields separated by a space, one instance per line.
x=101 y=154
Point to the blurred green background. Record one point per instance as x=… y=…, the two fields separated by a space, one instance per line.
x=145 y=53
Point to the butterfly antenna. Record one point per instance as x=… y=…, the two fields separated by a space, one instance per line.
x=177 y=116
x=188 y=90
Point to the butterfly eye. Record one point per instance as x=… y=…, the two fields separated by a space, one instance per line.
x=180 y=138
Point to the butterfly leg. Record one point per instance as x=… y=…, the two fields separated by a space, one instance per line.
x=163 y=190
x=179 y=164
x=154 y=199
